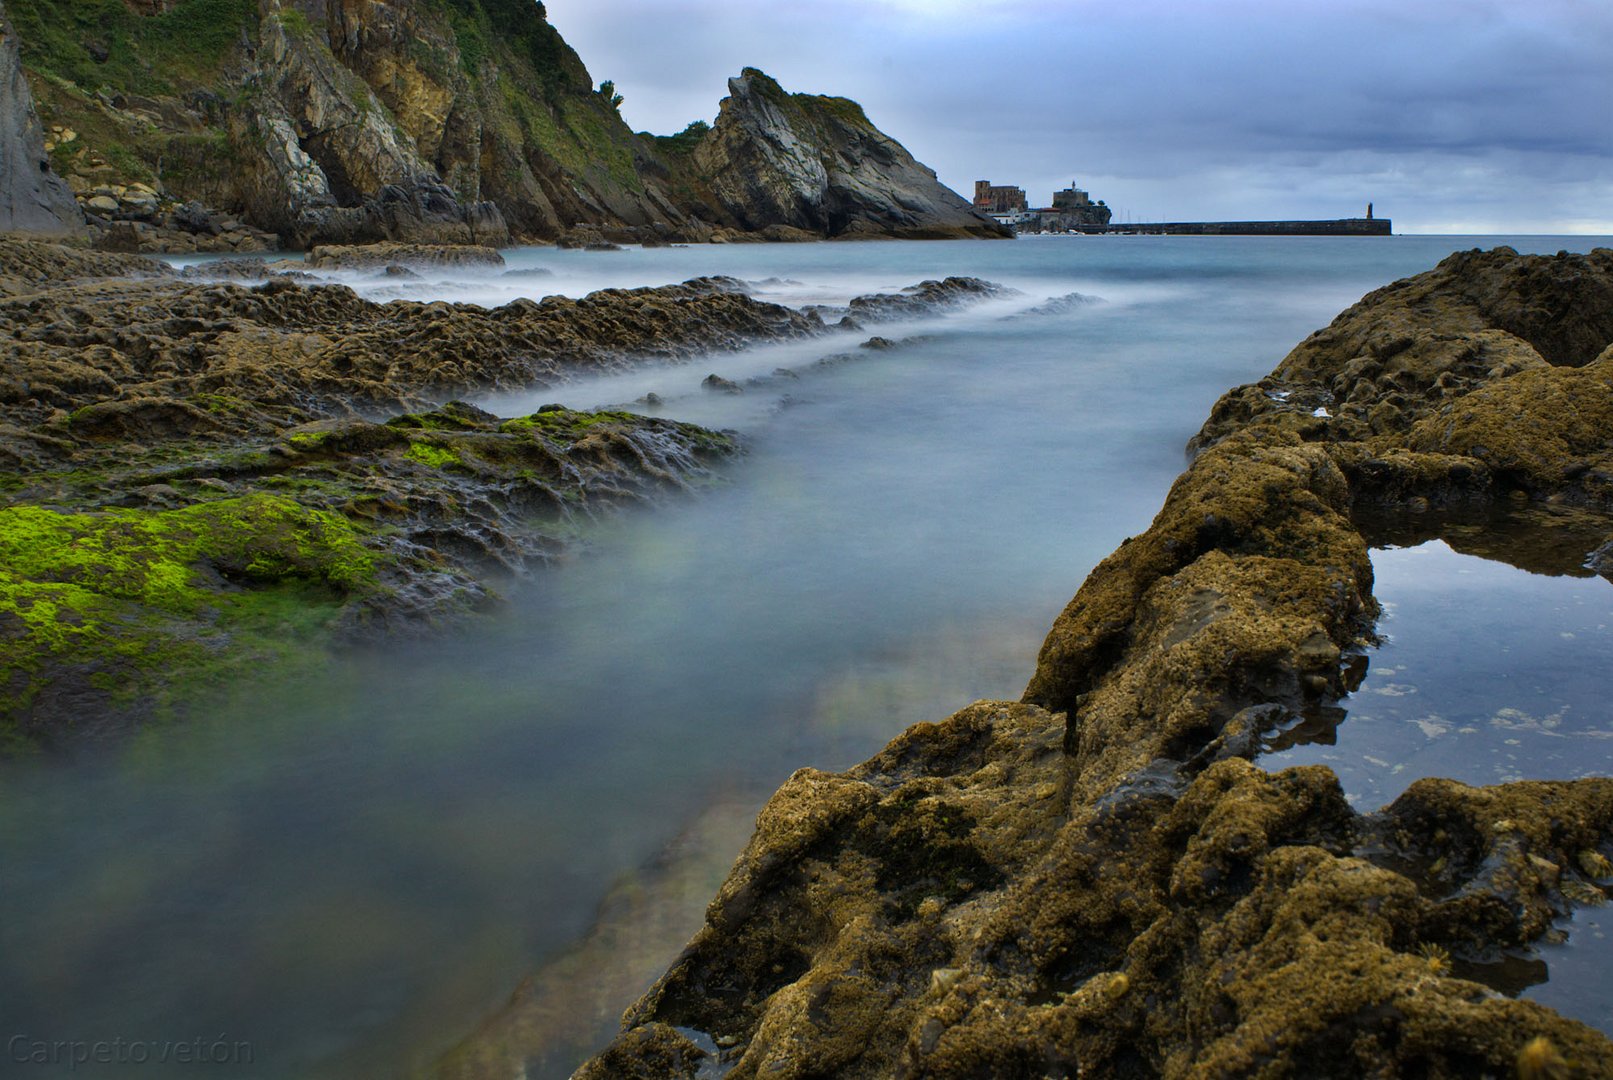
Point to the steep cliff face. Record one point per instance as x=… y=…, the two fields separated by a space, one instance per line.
x=32 y=197
x=817 y=163
x=325 y=160
x=458 y=121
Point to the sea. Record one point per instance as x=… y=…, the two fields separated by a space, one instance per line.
x=350 y=873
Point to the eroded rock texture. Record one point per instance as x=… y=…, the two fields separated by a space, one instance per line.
x=203 y=476
x=1096 y=881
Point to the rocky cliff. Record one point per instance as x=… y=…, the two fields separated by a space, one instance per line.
x=817 y=164
x=32 y=197
x=461 y=121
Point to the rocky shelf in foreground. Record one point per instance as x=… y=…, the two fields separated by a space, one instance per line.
x=203 y=480
x=1096 y=880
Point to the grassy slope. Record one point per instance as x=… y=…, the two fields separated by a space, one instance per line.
x=145 y=57
x=537 y=94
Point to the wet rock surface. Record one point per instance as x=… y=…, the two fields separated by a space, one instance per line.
x=1096 y=881
x=313 y=419
x=326 y=428
x=383 y=256
x=1487 y=373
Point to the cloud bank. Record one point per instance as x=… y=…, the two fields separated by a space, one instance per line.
x=1450 y=115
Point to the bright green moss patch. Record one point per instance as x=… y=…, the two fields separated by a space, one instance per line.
x=566 y=423
x=158 y=605
x=437 y=457
x=219 y=404
x=569 y=425
x=451 y=417
x=152 y=557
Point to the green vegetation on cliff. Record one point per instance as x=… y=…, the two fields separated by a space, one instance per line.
x=484 y=28
x=98 y=44
x=291 y=118
x=683 y=142
x=86 y=54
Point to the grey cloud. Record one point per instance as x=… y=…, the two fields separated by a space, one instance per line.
x=1187 y=107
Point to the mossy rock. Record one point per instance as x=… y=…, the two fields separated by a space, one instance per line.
x=138 y=611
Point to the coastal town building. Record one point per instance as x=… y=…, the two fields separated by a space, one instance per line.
x=993 y=199
x=1072 y=208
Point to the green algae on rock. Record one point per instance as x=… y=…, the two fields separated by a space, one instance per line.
x=395 y=528
x=133 y=393
x=1096 y=881
x=133 y=611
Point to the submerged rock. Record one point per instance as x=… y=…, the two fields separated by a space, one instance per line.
x=924 y=298
x=132 y=393
x=1096 y=880
x=386 y=256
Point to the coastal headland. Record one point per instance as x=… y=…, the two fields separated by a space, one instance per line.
x=1098 y=879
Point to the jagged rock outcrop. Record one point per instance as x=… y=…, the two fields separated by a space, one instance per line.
x=33 y=199
x=1490 y=371
x=817 y=164
x=1097 y=881
x=333 y=163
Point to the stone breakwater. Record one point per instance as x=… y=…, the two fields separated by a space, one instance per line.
x=203 y=479
x=1096 y=880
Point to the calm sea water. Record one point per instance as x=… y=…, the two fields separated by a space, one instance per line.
x=349 y=872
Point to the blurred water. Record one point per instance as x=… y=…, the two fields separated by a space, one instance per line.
x=350 y=871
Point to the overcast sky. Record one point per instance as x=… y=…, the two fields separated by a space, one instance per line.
x=1450 y=115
